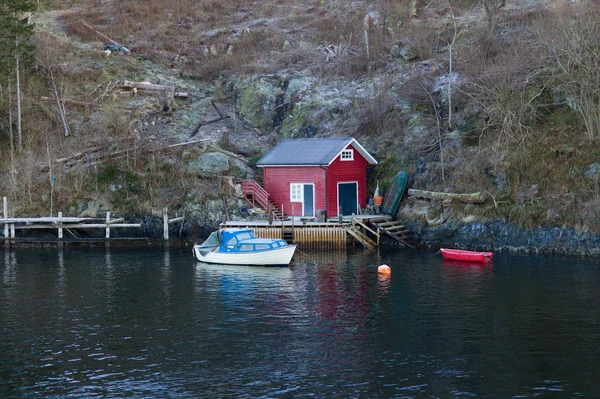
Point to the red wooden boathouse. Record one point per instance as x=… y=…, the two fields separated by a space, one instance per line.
x=317 y=174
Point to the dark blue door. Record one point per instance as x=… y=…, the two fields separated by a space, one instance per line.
x=348 y=198
x=309 y=206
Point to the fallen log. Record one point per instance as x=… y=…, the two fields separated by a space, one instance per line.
x=125 y=49
x=474 y=198
x=168 y=147
x=148 y=86
x=81 y=154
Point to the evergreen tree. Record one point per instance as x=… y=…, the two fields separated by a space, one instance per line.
x=15 y=32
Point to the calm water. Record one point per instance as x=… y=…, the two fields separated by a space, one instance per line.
x=152 y=324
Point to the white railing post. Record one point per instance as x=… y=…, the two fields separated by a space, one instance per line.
x=165 y=225
x=107 y=224
x=60 y=229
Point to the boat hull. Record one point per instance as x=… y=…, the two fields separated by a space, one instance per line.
x=395 y=192
x=273 y=257
x=469 y=256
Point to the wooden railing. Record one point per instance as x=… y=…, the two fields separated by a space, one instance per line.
x=254 y=193
x=365 y=228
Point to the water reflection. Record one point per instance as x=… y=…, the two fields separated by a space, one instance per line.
x=152 y=323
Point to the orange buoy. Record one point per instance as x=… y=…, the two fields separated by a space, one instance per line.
x=378 y=200
x=384 y=269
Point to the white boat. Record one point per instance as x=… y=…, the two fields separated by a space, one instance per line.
x=242 y=247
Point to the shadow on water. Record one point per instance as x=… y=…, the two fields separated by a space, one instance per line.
x=152 y=323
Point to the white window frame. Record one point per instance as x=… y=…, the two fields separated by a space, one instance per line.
x=301 y=194
x=347 y=155
x=299 y=191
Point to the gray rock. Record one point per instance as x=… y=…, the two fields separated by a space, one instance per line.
x=395 y=51
x=500 y=235
x=305 y=45
x=592 y=172
x=408 y=53
x=286 y=45
x=210 y=164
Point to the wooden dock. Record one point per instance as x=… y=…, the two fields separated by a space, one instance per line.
x=366 y=229
x=62 y=223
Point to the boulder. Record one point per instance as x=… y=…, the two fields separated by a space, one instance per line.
x=592 y=172
x=209 y=164
x=408 y=53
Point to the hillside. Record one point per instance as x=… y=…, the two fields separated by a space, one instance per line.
x=503 y=102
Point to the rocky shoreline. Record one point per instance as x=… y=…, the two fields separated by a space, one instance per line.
x=493 y=234
x=498 y=235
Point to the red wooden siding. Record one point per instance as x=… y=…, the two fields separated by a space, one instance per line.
x=277 y=183
x=346 y=172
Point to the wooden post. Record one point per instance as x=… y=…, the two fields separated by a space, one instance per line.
x=165 y=225
x=60 y=229
x=12 y=231
x=5 y=209
x=292 y=216
x=107 y=224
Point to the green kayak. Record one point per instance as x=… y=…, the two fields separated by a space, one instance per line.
x=394 y=194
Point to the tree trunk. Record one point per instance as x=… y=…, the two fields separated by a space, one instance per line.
x=10 y=121
x=19 y=130
x=487 y=11
x=414 y=9
x=438 y=118
x=61 y=109
x=450 y=49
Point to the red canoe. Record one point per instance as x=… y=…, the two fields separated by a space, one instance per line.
x=473 y=256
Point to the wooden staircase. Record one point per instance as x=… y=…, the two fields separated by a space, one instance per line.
x=255 y=195
x=395 y=230
x=360 y=231
x=361 y=237
x=277 y=213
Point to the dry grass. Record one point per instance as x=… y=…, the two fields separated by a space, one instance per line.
x=504 y=64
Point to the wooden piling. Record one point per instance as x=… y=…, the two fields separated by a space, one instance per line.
x=307 y=236
x=59 y=224
x=107 y=224
x=165 y=225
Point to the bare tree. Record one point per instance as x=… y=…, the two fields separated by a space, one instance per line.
x=19 y=127
x=506 y=107
x=59 y=103
x=438 y=119
x=575 y=49
x=450 y=70
x=491 y=7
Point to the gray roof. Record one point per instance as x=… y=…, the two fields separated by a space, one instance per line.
x=310 y=152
